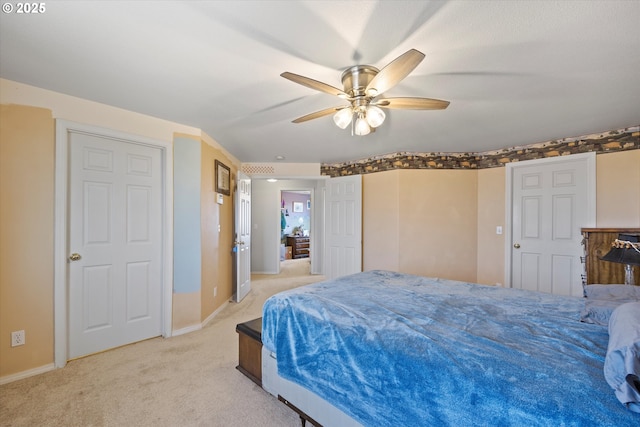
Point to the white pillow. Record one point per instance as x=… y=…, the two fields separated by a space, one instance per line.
x=622 y=362
x=601 y=300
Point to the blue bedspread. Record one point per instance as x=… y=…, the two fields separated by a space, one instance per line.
x=391 y=349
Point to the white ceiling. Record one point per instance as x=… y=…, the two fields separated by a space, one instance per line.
x=516 y=72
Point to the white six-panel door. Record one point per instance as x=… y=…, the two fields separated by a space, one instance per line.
x=550 y=204
x=242 y=243
x=115 y=243
x=343 y=228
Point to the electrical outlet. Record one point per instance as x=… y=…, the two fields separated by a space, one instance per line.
x=17 y=338
x=215 y=291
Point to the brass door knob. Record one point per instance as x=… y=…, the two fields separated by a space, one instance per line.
x=75 y=257
x=517 y=245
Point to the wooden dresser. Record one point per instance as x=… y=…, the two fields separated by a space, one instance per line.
x=597 y=242
x=299 y=246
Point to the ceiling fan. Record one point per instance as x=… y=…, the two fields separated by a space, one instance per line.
x=363 y=86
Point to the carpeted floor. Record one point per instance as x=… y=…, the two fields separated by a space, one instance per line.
x=189 y=380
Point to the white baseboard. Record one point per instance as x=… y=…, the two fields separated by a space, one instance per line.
x=26 y=374
x=199 y=326
x=214 y=314
x=50 y=367
x=186 y=330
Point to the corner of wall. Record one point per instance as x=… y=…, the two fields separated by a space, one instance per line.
x=27 y=146
x=217 y=232
x=491 y=214
x=187 y=280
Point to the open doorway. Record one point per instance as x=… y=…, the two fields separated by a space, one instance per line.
x=295 y=230
x=266 y=217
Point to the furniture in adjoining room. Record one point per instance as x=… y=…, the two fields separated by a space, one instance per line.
x=386 y=348
x=299 y=246
x=597 y=243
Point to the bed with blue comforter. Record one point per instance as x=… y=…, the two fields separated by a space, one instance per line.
x=392 y=349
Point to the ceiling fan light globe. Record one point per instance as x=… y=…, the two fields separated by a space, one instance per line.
x=362 y=127
x=343 y=117
x=375 y=116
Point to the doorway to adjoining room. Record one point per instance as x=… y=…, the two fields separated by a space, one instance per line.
x=295 y=229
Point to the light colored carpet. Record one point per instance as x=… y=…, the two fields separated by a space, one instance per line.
x=189 y=380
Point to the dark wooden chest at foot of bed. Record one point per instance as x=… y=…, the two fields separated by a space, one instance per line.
x=250 y=349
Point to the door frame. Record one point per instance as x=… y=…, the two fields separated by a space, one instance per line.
x=312 y=231
x=589 y=157
x=313 y=234
x=61 y=232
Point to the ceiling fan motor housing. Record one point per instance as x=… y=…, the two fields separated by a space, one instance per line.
x=355 y=79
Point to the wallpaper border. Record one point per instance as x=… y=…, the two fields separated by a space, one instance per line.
x=604 y=142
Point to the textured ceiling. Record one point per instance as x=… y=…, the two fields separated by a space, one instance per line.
x=515 y=72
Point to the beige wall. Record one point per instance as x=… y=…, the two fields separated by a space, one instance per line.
x=429 y=215
x=27 y=145
x=191 y=309
x=381 y=221
x=439 y=219
x=88 y=112
x=618 y=187
x=425 y=214
x=186 y=312
x=26 y=230
x=217 y=259
x=491 y=214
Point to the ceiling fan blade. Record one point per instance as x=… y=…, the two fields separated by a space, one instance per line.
x=319 y=114
x=314 y=84
x=395 y=71
x=412 y=103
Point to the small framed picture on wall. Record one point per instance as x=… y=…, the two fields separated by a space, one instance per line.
x=297 y=206
x=223 y=178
